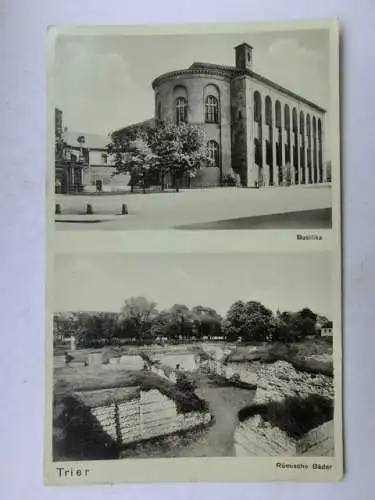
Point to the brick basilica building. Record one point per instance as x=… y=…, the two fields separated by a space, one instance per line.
x=255 y=128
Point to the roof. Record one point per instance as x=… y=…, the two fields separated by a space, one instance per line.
x=145 y=123
x=92 y=141
x=232 y=72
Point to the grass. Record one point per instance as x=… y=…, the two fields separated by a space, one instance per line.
x=294 y=416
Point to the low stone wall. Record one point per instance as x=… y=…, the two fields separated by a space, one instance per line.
x=139 y=415
x=244 y=372
x=255 y=437
x=275 y=383
x=280 y=380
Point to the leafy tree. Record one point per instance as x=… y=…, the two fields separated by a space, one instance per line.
x=140 y=160
x=181 y=321
x=178 y=150
x=302 y=323
x=126 y=149
x=207 y=322
x=162 y=324
x=250 y=321
x=190 y=153
x=137 y=314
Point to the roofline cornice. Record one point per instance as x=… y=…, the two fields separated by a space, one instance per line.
x=232 y=73
x=191 y=71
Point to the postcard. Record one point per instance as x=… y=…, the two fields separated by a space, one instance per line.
x=193 y=317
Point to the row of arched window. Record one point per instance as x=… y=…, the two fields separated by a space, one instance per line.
x=211 y=110
x=312 y=145
x=317 y=124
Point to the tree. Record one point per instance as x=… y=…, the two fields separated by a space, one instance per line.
x=250 y=321
x=126 y=147
x=161 y=325
x=137 y=314
x=206 y=321
x=188 y=152
x=181 y=321
x=139 y=160
x=178 y=150
x=302 y=323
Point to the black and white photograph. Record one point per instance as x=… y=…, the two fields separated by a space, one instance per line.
x=193 y=131
x=193 y=355
x=209 y=349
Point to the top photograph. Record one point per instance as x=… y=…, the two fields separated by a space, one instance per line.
x=193 y=131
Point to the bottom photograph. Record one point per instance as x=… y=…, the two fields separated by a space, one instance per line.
x=192 y=355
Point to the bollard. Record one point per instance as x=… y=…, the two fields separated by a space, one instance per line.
x=124 y=209
x=58 y=209
x=89 y=210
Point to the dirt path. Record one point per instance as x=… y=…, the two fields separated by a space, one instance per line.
x=224 y=402
x=214 y=441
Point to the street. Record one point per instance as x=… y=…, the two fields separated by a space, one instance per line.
x=221 y=208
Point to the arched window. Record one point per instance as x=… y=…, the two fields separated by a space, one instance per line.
x=308 y=127
x=268 y=111
x=213 y=152
x=294 y=120
x=302 y=148
x=320 y=151
x=278 y=114
x=301 y=123
x=286 y=117
x=257 y=107
x=308 y=130
x=315 y=156
x=212 y=109
x=181 y=110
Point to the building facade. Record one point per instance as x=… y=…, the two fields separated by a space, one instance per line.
x=256 y=129
x=82 y=162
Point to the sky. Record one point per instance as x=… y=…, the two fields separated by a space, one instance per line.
x=103 y=82
x=102 y=282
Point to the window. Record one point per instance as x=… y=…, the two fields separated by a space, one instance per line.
x=295 y=121
x=258 y=152
x=213 y=152
x=212 y=109
x=268 y=111
x=302 y=126
x=105 y=158
x=257 y=107
x=286 y=117
x=181 y=110
x=278 y=114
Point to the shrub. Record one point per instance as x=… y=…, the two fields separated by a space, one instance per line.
x=229 y=180
x=294 y=416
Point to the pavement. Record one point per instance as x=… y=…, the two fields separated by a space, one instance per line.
x=210 y=208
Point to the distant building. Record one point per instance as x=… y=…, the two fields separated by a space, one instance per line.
x=82 y=162
x=326 y=332
x=265 y=133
